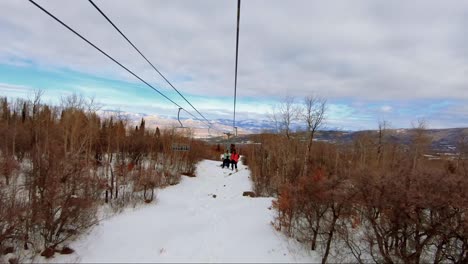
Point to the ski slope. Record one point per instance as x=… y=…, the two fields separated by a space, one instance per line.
x=187 y=224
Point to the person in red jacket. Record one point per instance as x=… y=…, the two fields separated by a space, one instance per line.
x=234 y=159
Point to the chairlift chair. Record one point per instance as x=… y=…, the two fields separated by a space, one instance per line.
x=181 y=132
x=229 y=141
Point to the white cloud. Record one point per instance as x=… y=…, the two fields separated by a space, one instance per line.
x=15 y=89
x=386 y=109
x=366 y=49
x=353 y=50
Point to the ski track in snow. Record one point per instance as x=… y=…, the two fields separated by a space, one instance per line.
x=186 y=224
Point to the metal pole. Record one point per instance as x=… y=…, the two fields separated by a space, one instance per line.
x=178 y=117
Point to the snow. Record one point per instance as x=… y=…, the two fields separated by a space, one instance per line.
x=187 y=224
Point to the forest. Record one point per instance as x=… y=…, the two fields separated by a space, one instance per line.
x=60 y=164
x=372 y=200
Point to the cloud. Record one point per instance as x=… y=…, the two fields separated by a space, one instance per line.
x=22 y=91
x=364 y=50
x=15 y=89
x=386 y=109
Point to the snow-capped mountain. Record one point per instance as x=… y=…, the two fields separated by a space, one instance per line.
x=200 y=129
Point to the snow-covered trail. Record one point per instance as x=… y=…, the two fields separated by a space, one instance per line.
x=187 y=224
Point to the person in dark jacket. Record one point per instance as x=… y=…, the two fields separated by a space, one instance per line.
x=226 y=159
x=234 y=160
x=232 y=148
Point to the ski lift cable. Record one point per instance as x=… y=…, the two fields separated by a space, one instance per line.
x=144 y=57
x=110 y=57
x=235 y=76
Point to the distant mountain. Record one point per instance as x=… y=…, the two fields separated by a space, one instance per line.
x=199 y=128
x=443 y=140
x=252 y=125
x=246 y=126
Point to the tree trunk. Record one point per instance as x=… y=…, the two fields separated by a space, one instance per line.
x=316 y=231
x=307 y=155
x=330 y=236
x=112 y=183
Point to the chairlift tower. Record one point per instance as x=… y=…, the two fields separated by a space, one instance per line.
x=228 y=134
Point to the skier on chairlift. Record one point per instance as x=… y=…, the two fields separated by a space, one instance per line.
x=234 y=160
x=232 y=149
x=226 y=159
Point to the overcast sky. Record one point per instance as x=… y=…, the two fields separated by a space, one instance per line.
x=372 y=60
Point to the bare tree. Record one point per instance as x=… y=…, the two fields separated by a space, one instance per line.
x=383 y=129
x=313 y=114
x=92 y=105
x=36 y=101
x=463 y=152
x=420 y=141
x=284 y=114
x=274 y=117
x=73 y=101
